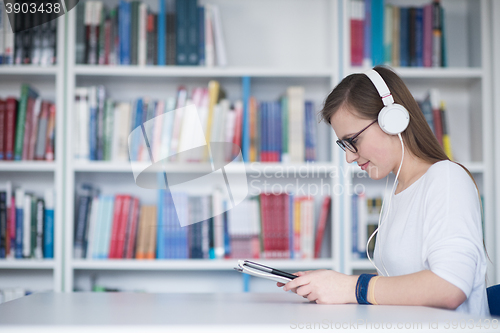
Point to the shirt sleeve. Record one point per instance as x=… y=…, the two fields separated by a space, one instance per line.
x=453 y=244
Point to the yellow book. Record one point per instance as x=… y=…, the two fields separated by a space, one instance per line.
x=213 y=97
x=446 y=136
x=296 y=229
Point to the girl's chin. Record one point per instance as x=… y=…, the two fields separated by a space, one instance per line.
x=374 y=173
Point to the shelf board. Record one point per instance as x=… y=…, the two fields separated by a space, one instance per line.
x=26 y=264
x=195 y=264
x=29 y=166
x=255 y=167
x=473 y=167
x=429 y=73
x=28 y=70
x=197 y=71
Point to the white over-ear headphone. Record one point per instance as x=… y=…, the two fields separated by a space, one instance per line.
x=393 y=118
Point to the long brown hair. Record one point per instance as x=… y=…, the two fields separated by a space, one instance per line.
x=358 y=94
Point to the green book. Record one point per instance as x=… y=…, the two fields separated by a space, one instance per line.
x=26 y=92
x=108 y=129
x=33 y=225
x=285 y=157
x=134 y=32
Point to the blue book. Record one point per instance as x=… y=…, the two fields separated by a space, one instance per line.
x=161 y=33
x=160 y=220
x=124 y=32
x=3 y=222
x=367 y=46
x=201 y=35
x=48 y=225
x=245 y=138
x=377 y=30
x=263 y=134
x=310 y=143
x=181 y=7
x=107 y=225
x=278 y=129
x=419 y=36
x=93 y=123
x=404 y=39
x=444 y=57
x=192 y=32
x=18 y=247
x=137 y=123
x=227 y=237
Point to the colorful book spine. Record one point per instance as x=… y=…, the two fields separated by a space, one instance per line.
x=48 y=231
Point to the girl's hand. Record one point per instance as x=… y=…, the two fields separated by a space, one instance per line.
x=324 y=286
x=279 y=284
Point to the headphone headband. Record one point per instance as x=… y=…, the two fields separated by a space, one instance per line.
x=381 y=86
x=393 y=118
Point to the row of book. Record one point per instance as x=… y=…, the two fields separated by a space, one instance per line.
x=265 y=226
x=397 y=36
x=182 y=32
x=113 y=131
x=26 y=224
x=27 y=127
x=434 y=110
x=36 y=44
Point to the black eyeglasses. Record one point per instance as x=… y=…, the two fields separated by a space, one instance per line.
x=349 y=143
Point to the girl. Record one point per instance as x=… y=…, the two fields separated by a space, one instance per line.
x=429 y=248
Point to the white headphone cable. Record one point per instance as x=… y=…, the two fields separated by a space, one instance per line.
x=388 y=209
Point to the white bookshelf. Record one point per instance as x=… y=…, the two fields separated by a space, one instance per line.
x=27 y=264
x=271 y=68
x=36 y=176
x=465 y=86
x=296 y=42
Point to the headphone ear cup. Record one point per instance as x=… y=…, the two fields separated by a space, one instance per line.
x=393 y=119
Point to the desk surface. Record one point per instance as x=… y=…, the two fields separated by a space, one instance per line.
x=242 y=312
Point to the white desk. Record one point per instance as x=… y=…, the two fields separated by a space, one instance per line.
x=270 y=312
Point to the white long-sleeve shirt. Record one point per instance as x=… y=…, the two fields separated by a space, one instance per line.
x=435 y=224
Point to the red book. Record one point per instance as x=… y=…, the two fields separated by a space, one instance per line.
x=2 y=129
x=323 y=216
x=107 y=40
x=28 y=127
x=132 y=229
x=357 y=33
x=122 y=226
x=438 y=126
x=12 y=224
x=296 y=227
x=49 y=145
x=285 y=216
x=115 y=228
x=264 y=202
x=237 y=129
x=41 y=138
x=10 y=128
x=37 y=106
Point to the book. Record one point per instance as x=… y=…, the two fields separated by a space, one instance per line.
x=27 y=92
x=322 y=222
x=48 y=227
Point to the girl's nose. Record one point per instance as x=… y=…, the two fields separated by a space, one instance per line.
x=350 y=156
